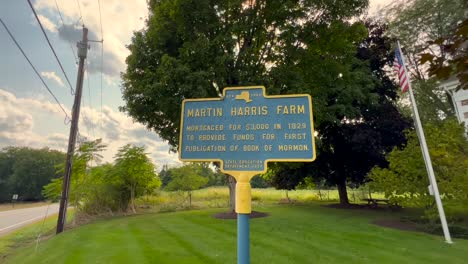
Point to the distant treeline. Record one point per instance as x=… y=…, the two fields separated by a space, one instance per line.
x=24 y=171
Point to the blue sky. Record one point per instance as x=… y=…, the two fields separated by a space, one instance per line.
x=28 y=114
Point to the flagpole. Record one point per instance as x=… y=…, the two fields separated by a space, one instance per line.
x=427 y=157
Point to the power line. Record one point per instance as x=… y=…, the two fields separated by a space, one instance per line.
x=50 y=45
x=79 y=8
x=63 y=23
x=34 y=68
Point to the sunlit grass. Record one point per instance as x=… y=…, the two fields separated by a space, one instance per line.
x=291 y=234
x=218 y=197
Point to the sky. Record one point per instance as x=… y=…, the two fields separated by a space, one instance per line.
x=29 y=116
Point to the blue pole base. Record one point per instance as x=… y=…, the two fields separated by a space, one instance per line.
x=243 y=239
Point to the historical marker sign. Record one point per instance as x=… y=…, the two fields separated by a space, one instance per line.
x=246 y=128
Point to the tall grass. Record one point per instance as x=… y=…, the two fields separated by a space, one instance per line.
x=218 y=197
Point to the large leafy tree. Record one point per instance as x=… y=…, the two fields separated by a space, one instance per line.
x=454 y=45
x=187 y=179
x=193 y=49
x=422 y=26
x=24 y=171
x=349 y=148
x=419 y=23
x=136 y=172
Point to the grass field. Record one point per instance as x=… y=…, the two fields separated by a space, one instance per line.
x=218 y=197
x=291 y=234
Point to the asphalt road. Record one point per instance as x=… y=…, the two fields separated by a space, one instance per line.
x=15 y=219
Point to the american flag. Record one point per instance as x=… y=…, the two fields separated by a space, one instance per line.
x=401 y=71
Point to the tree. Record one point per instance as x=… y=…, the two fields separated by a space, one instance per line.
x=165 y=176
x=187 y=178
x=108 y=187
x=214 y=177
x=420 y=25
x=405 y=181
x=88 y=152
x=370 y=124
x=454 y=45
x=136 y=172
x=285 y=176
x=193 y=49
x=24 y=171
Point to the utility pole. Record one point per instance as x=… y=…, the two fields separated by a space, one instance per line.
x=82 y=52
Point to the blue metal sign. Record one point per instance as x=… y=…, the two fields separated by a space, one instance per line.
x=245 y=129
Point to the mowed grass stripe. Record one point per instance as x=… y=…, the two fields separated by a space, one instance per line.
x=191 y=244
x=301 y=235
x=291 y=234
x=332 y=230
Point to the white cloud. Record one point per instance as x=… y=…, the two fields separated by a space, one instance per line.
x=23 y=121
x=48 y=24
x=53 y=76
x=119 y=20
x=16 y=125
x=117 y=129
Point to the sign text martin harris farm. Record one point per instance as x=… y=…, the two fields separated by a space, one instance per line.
x=245 y=129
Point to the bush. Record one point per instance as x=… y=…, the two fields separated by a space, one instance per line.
x=405 y=181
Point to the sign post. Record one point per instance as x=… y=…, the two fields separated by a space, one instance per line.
x=243 y=131
x=14 y=198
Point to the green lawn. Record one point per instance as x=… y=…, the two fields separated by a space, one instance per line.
x=291 y=234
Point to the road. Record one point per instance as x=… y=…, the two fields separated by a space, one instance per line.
x=15 y=219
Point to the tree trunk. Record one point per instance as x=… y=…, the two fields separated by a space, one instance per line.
x=343 y=192
x=287 y=197
x=232 y=193
x=132 y=200
x=190 y=198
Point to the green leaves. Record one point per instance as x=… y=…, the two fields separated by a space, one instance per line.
x=195 y=49
x=187 y=178
x=24 y=171
x=405 y=181
x=135 y=170
x=96 y=189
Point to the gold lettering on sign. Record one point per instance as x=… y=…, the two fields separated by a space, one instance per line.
x=209 y=148
x=249 y=111
x=250 y=148
x=257 y=126
x=205 y=128
x=235 y=127
x=268 y=136
x=290 y=109
x=243 y=136
x=295 y=136
x=204 y=112
x=293 y=147
x=212 y=137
